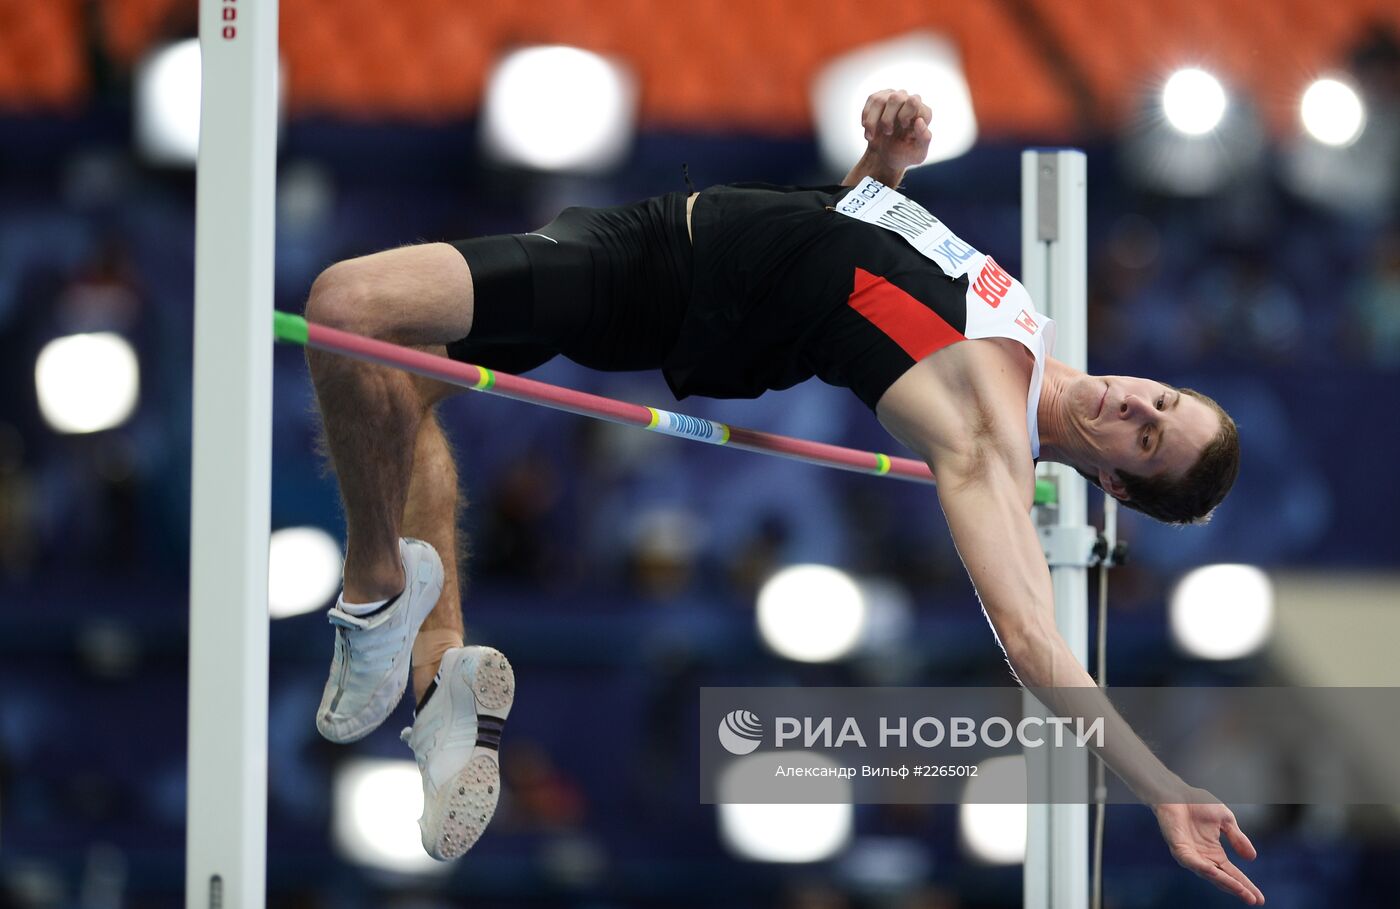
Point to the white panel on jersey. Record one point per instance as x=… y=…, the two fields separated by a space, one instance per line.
x=998 y=306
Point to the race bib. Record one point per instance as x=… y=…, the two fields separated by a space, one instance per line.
x=875 y=203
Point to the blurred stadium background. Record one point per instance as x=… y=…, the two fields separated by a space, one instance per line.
x=1234 y=247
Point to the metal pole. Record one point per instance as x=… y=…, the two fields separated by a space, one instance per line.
x=226 y=839
x=1054 y=256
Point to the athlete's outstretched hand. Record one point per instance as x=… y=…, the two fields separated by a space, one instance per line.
x=896 y=127
x=1193 y=832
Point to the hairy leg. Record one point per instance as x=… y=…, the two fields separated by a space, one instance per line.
x=367 y=412
x=435 y=503
x=417 y=295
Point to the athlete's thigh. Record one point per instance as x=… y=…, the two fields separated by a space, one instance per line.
x=414 y=295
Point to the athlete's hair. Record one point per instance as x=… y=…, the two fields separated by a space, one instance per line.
x=1190 y=498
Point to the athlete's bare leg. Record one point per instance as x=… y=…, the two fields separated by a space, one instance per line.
x=435 y=503
x=420 y=296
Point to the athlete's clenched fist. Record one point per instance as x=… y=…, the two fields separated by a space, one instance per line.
x=896 y=127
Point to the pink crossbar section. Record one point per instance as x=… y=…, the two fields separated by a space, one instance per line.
x=578 y=402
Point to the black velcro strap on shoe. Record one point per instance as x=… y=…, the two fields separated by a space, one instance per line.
x=488 y=731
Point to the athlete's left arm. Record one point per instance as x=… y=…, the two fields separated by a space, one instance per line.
x=984 y=493
x=984 y=485
x=897 y=137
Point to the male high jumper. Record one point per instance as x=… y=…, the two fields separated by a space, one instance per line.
x=731 y=292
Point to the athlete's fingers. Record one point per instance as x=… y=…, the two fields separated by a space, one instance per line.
x=875 y=104
x=892 y=105
x=869 y=115
x=1217 y=876
x=1243 y=880
x=910 y=110
x=874 y=113
x=1238 y=840
x=889 y=109
x=877 y=97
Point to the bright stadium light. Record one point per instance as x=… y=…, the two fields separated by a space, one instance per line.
x=992 y=832
x=1332 y=112
x=88 y=382
x=1188 y=139
x=922 y=64
x=374 y=816
x=303 y=571
x=781 y=832
x=811 y=613
x=786 y=833
x=166 y=104
x=559 y=108
x=1194 y=101
x=889 y=616
x=1222 y=612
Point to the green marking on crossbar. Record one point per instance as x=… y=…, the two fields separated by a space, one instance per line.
x=287 y=327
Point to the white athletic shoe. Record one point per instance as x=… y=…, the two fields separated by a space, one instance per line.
x=455 y=738
x=373 y=654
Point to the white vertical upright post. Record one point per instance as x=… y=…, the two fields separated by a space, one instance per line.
x=1054 y=270
x=226 y=839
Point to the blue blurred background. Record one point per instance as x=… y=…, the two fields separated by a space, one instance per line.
x=618 y=570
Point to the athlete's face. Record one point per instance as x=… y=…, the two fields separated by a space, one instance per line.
x=1140 y=426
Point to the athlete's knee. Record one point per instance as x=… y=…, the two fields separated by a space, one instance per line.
x=341 y=297
x=431 y=391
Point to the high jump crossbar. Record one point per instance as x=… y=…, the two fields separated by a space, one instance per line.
x=296 y=330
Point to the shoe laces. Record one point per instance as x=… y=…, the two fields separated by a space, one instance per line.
x=364 y=646
x=346 y=620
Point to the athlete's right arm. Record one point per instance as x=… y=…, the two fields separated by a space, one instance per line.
x=984 y=494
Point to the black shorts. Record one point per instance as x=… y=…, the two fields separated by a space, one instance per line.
x=776 y=289
x=605 y=287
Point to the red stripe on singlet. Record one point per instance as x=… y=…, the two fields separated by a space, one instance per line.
x=907 y=322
